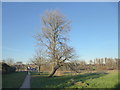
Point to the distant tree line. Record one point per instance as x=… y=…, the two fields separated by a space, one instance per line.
x=105 y=63
x=75 y=65
x=81 y=65
x=96 y=64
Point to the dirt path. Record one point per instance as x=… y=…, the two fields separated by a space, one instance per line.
x=26 y=83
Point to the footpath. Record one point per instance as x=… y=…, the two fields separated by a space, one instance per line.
x=26 y=83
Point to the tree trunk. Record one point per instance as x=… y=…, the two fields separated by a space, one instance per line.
x=54 y=70
x=39 y=69
x=53 y=66
x=53 y=73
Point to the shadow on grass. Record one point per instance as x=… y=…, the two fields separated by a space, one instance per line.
x=42 y=81
x=117 y=86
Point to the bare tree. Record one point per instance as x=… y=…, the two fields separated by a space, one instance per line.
x=53 y=37
x=74 y=65
x=39 y=59
x=10 y=61
x=19 y=65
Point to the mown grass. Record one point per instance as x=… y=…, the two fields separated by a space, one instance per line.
x=91 y=80
x=13 y=80
x=109 y=80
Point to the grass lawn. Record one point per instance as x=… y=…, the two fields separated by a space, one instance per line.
x=93 y=80
x=13 y=80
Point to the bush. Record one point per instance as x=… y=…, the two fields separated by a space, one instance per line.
x=7 y=69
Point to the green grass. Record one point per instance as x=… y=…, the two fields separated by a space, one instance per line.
x=13 y=80
x=93 y=80
x=107 y=81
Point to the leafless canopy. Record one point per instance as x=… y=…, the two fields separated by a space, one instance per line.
x=53 y=36
x=54 y=33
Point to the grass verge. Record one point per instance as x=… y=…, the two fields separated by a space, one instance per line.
x=13 y=80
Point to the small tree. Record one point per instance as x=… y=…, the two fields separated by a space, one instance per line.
x=10 y=61
x=19 y=65
x=39 y=59
x=74 y=65
x=53 y=37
